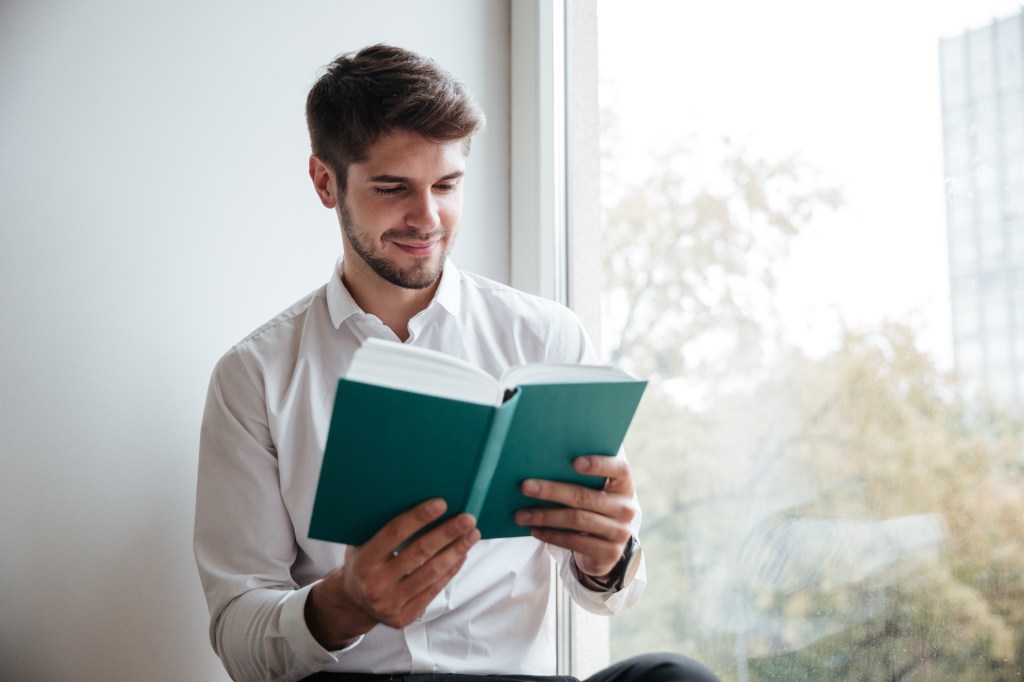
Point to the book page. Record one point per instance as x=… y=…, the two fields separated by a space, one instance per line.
x=420 y=370
x=537 y=373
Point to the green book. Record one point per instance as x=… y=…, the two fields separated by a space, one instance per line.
x=410 y=424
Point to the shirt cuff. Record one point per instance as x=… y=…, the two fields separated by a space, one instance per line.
x=300 y=639
x=607 y=602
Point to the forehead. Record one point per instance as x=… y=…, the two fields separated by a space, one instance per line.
x=406 y=154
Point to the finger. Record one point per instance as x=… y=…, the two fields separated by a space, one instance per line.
x=579 y=520
x=595 y=555
x=418 y=603
x=379 y=548
x=424 y=548
x=615 y=469
x=613 y=504
x=438 y=570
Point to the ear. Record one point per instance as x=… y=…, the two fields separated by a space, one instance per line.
x=324 y=181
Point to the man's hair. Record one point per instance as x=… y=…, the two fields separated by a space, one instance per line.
x=365 y=95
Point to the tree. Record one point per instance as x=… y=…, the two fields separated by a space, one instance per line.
x=880 y=434
x=849 y=516
x=690 y=263
x=846 y=520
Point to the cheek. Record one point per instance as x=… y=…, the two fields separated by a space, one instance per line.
x=452 y=218
x=451 y=213
x=377 y=216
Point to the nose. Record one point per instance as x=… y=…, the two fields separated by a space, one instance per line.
x=423 y=211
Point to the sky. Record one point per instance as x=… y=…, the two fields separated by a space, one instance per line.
x=853 y=88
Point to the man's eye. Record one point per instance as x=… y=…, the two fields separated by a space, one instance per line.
x=446 y=186
x=388 y=191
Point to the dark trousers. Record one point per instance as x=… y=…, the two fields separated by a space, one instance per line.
x=645 y=668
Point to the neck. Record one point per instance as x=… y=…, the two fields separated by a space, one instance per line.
x=394 y=305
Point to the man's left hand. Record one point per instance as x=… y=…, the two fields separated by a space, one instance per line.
x=594 y=524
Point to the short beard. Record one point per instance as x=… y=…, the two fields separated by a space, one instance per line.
x=417 y=276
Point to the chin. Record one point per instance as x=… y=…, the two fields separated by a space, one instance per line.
x=419 y=277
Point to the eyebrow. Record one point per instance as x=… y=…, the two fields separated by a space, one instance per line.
x=399 y=179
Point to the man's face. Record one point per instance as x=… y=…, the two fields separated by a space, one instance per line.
x=401 y=209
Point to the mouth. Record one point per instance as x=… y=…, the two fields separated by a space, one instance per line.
x=417 y=248
x=416 y=243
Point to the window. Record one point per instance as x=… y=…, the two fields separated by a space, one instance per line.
x=1011 y=66
x=996 y=311
x=966 y=323
x=822 y=499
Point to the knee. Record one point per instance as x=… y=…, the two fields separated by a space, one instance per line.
x=668 y=667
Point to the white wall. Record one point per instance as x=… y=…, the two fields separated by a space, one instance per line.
x=154 y=208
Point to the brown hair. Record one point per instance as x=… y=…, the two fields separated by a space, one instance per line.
x=362 y=96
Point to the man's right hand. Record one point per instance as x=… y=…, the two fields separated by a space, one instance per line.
x=374 y=585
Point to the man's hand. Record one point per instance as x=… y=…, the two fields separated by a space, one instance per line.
x=594 y=524
x=374 y=585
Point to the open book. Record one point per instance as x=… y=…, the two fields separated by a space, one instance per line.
x=410 y=424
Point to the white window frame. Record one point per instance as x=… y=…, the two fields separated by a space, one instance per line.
x=554 y=192
x=538 y=213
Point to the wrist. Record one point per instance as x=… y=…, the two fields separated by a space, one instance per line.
x=326 y=624
x=620 y=575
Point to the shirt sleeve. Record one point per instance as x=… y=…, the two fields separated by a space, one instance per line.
x=568 y=341
x=244 y=541
x=601 y=603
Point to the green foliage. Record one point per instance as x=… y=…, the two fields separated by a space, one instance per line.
x=845 y=517
x=850 y=445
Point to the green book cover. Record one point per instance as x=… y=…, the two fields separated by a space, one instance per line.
x=388 y=450
x=553 y=425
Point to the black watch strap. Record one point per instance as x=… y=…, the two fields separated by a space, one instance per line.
x=616 y=578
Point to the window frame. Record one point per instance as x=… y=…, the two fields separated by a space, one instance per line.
x=554 y=188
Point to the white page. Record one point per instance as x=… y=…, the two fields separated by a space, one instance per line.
x=537 y=373
x=407 y=368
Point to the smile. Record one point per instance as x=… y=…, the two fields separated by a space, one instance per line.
x=415 y=248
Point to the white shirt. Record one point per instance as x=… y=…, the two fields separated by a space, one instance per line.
x=262 y=441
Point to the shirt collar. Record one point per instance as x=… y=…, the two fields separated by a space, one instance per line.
x=342 y=306
x=449 y=293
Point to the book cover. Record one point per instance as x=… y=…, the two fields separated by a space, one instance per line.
x=388 y=450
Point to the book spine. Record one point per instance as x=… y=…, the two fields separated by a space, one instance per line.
x=491 y=454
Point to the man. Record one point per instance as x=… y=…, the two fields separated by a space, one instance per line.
x=390 y=135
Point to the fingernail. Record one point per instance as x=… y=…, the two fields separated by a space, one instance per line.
x=435 y=506
x=531 y=487
x=583 y=463
x=523 y=517
x=465 y=522
x=472 y=537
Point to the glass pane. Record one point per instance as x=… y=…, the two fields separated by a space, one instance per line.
x=831 y=473
x=1009 y=45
